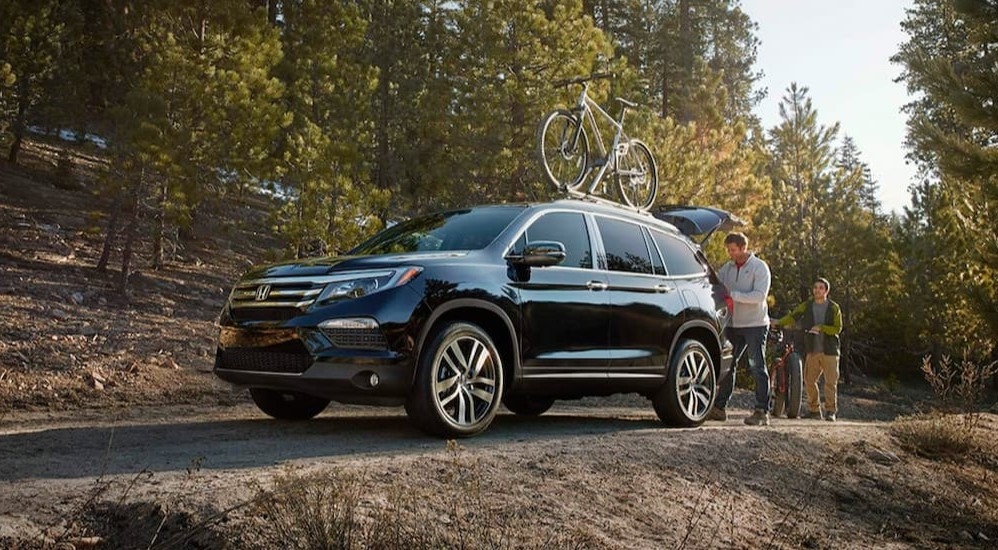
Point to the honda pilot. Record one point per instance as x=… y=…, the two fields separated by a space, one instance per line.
x=455 y=313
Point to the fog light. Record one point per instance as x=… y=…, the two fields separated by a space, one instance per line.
x=351 y=323
x=374 y=380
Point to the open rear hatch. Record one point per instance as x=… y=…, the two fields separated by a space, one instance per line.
x=698 y=222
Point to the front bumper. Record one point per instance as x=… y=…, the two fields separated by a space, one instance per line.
x=306 y=361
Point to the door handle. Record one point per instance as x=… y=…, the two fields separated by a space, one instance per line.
x=664 y=288
x=597 y=285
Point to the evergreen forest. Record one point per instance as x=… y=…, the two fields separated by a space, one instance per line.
x=349 y=115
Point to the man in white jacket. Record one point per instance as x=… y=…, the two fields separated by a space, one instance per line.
x=747 y=279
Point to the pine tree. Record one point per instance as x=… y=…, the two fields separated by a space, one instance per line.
x=825 y=222
x=693 y=62
x=803 y=155
x=858 y=254
x=199 y=117
x=678 y=46
x=411 y=45
x=507 y=56
x=328 y=88
x=949 y=63
x=32 y=36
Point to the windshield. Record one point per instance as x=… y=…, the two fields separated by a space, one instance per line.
x=469 y=229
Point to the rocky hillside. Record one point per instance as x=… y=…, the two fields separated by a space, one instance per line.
x=68 y=337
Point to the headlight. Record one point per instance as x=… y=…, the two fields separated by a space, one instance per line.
x=362 y=284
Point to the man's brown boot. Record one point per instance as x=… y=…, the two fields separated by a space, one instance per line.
x=717 y=414
x=758 y=418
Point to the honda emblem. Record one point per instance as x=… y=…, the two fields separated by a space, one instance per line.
x=262 y=292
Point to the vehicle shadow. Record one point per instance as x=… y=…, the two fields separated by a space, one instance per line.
x=130 y=448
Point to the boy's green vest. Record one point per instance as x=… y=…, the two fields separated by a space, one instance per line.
x=831 y=342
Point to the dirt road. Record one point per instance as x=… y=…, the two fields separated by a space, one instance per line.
x=605 y=469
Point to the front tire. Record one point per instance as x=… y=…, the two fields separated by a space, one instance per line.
x=795 y=385
x=564 y=163
x=690 y=387
x=459 y=382
x=528 y=406
x=637 y=176
x=288 y=405
x=779 y=403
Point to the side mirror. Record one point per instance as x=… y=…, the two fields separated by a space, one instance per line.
x=539 y=254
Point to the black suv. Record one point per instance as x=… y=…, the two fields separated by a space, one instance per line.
x=453 y=313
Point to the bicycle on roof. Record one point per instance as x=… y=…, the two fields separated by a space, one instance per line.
x=565 y=153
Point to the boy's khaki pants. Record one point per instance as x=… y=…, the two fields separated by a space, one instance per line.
x=816 y=365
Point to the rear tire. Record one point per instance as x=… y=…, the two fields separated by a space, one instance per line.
x=528 y=406
x=637 y=176
x=563 y=165
x=690 y=387
x=795 y=385
x=288 y=405
x=459 y=382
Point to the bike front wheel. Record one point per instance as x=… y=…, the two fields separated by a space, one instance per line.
x=795 y=385
x=637 y=176
x=563 y=148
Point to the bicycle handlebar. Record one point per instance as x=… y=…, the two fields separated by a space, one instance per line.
x=582 y=79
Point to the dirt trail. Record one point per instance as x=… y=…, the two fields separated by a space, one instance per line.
x=605 y=468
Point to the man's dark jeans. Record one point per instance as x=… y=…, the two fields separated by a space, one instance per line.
x=753 y=341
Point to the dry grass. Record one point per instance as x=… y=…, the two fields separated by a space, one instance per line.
x=335 y=510
x=952 y=431
x=940 y=436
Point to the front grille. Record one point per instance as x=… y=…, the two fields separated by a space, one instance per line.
x=243 y=314
x=251 y=359
x=356 y=338
x=289 y=294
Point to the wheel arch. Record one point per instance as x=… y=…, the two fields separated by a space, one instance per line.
x=490 y=317
x=704 y=333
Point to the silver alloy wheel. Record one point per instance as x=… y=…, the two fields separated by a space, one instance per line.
x=464 y=375
x=695 y=384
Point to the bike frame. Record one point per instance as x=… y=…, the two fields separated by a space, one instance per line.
x=778 y=382
x=586 y=109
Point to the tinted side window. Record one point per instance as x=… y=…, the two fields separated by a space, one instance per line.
x=625 y=246
x=679 y=257
x=568 y=228
x=656 y=258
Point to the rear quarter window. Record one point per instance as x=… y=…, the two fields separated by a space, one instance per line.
x=680 y=258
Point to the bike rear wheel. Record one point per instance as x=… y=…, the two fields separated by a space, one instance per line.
x=563 y=148
x=637 y=176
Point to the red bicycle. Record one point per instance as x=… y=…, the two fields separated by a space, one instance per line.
x=786 y=374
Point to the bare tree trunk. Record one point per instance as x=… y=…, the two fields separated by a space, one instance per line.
x=686 y=52
x=19 y=123
x=159 y=226
x=665 y=94
x=130 y=232
x=846 y=353
x=112 y=231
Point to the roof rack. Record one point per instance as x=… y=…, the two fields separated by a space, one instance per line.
x=575 y=194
